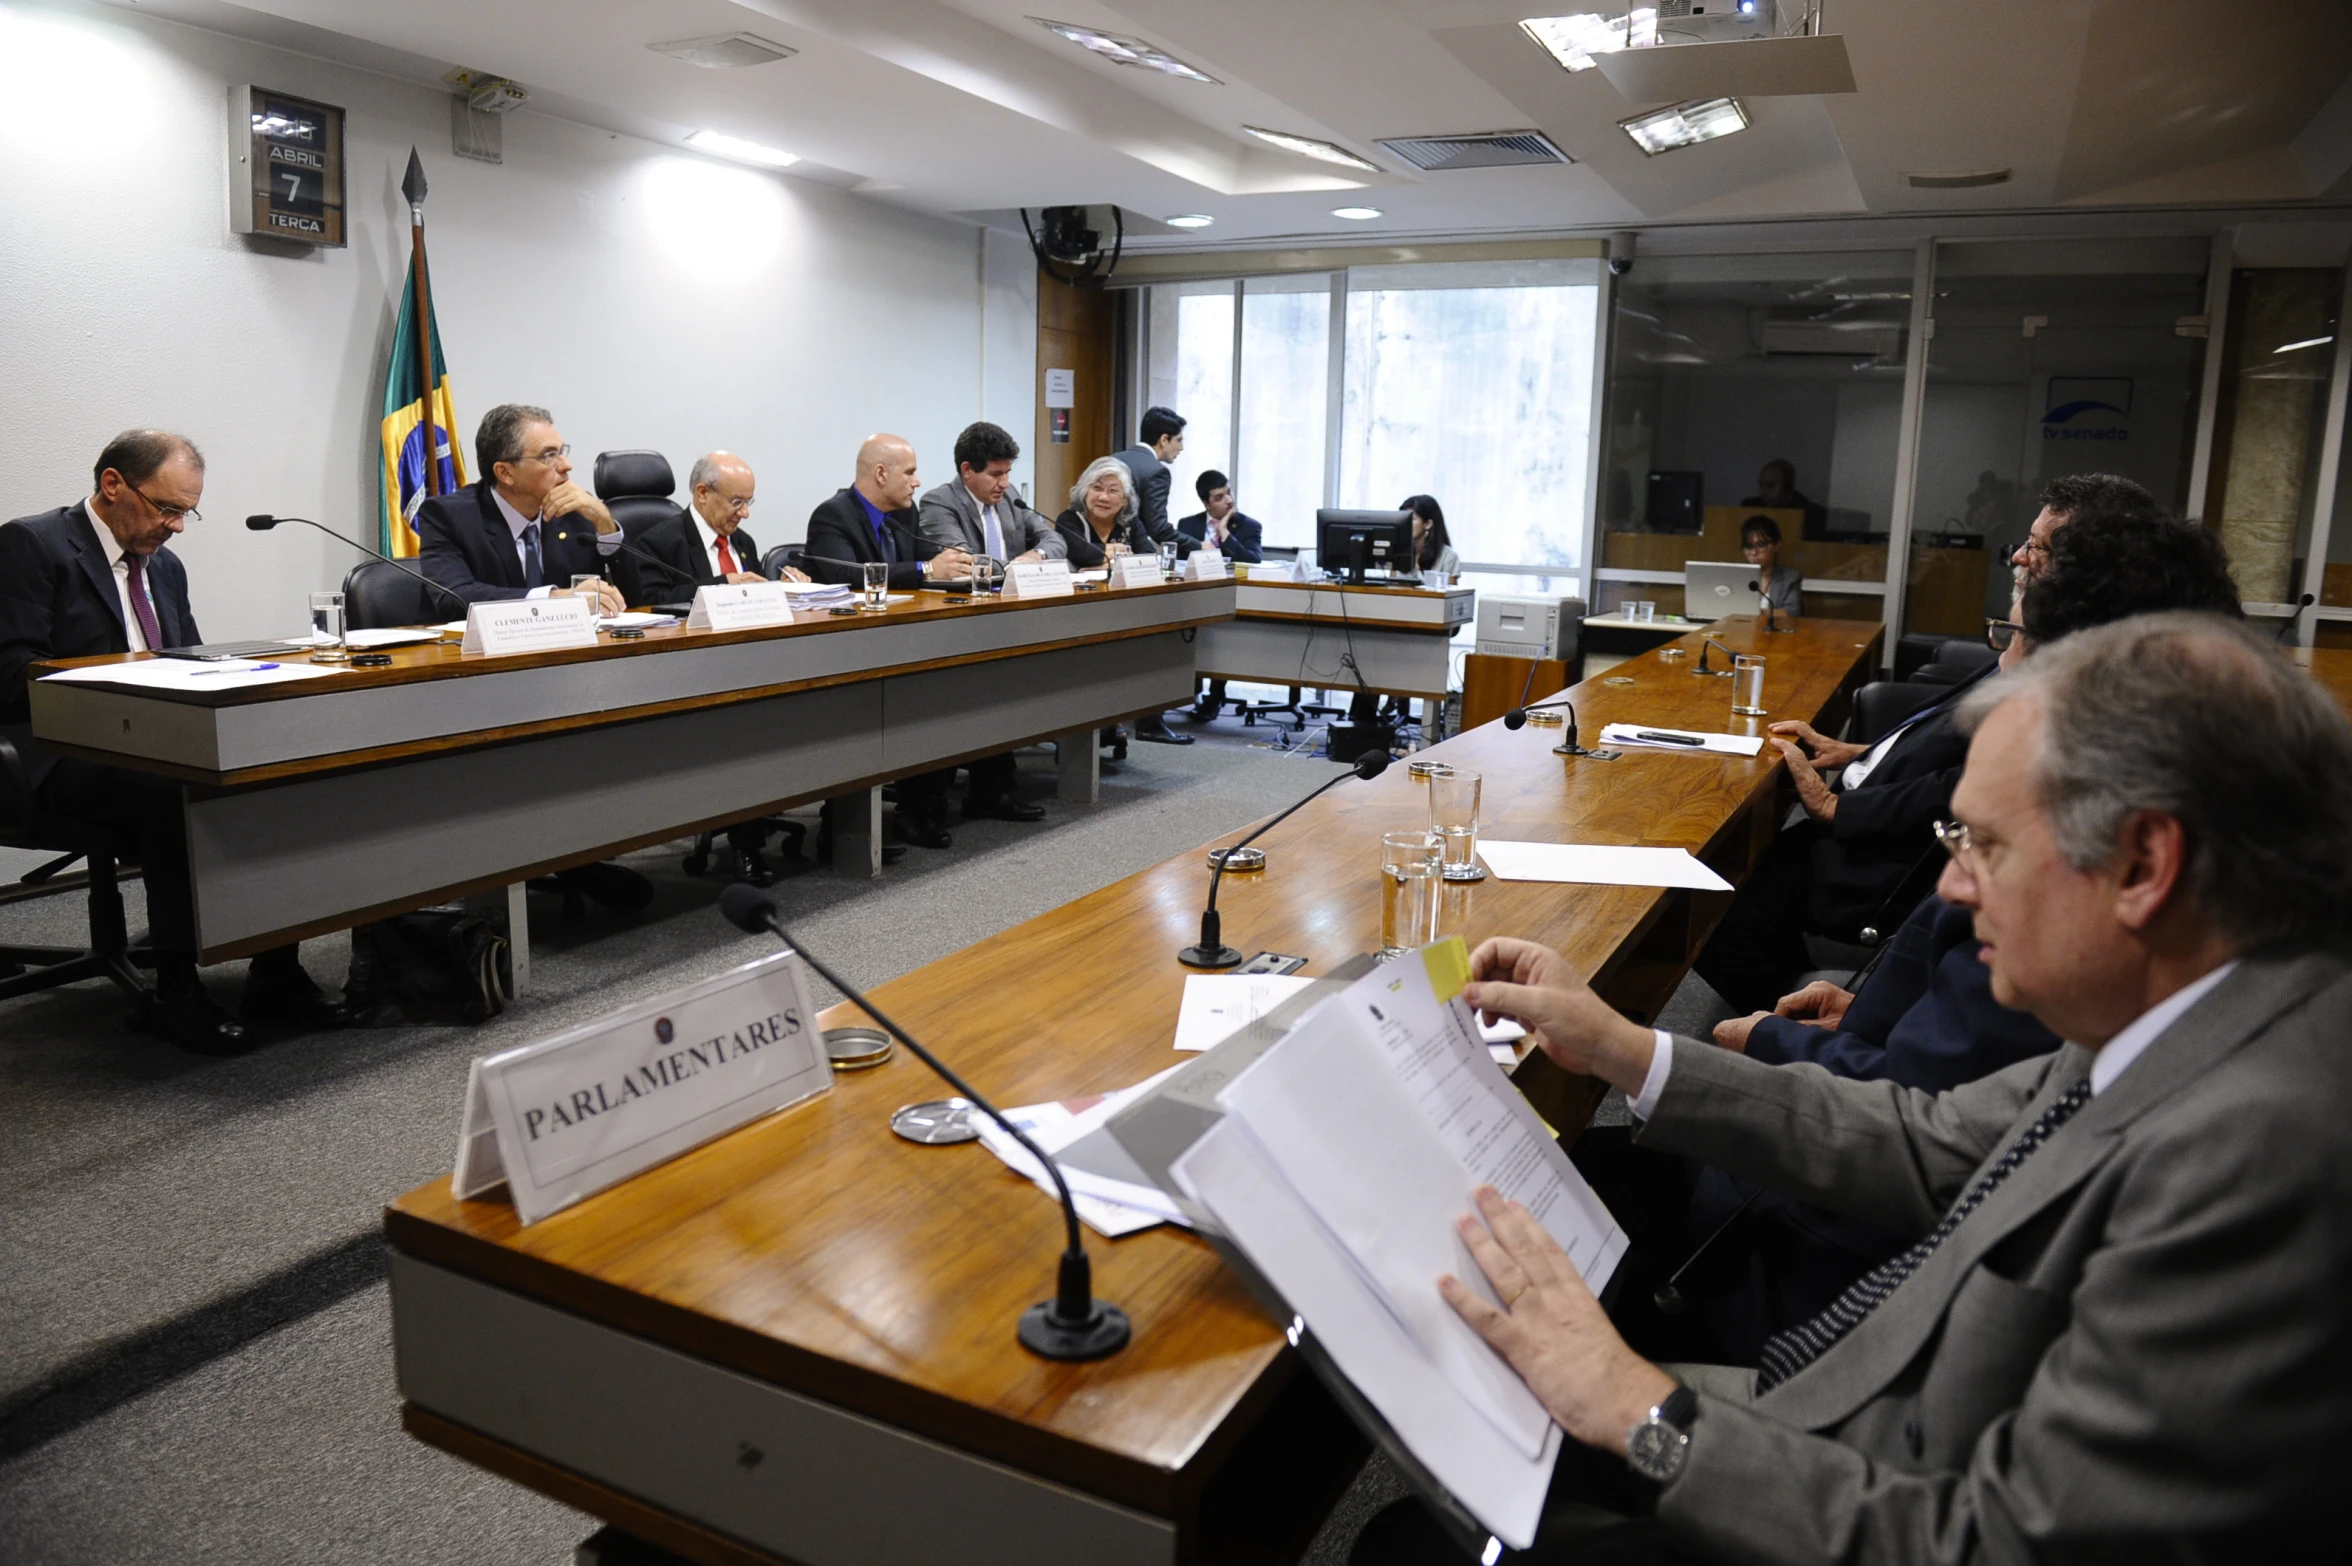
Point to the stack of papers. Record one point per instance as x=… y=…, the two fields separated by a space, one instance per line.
x=1113 y=1197
x=1596 y=864
x=1345 y=1154
x=1629 y=736
x=633 y=619
x=187 y=674
x=816 y=595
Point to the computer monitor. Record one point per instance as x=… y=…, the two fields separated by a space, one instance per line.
x=1356 y=541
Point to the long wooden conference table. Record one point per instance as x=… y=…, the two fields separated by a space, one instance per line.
x=316 y=804
x=796 y=1342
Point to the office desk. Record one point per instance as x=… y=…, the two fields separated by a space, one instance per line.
x=318 y=804
x=1286 y=633
x=797 y=1341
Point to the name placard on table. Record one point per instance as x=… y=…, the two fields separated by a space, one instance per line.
x=740 y=606
x=1206 y=565
x=565 y=1117
x=1136 y=571
x=1039 y=579
x=521 y=625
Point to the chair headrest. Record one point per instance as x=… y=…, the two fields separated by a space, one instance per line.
x=622 y=473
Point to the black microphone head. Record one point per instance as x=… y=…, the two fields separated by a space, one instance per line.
x=262 y=523
x=1371 y=764
x=1515 y=719
x=1755 y=586
x=747 y=907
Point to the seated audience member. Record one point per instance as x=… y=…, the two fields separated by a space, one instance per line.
x=875 y=519
x=977 y=512
x=1103 y=517
x=1870 y=808
x=1778 y=585
x=2120 y=1334
x=1162 y=442
x=1219 y=524
x=1776 y=489
x=2064 y=498
x=97 y=577
x=709 y=544
x=523 y=529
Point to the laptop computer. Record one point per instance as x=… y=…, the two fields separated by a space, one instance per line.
x=1712 y=589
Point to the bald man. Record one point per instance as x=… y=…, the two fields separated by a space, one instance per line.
x=875 y=519
x=708 y=543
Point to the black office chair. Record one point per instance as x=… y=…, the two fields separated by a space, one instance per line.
x=1882 y=704
x=636 y=487
x=772 y=564
x=377 y=595
x=1955 y=661
x=110 y=955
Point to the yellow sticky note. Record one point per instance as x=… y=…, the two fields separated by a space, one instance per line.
x=1448 y=962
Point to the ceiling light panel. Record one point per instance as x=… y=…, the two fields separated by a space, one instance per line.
x=725 y=51
x=1122 y=50
x=720 y=144
x=1685 y=124
x=1356 y=214
x=1189 y=220
x=1574 y=40
x=1309 y=147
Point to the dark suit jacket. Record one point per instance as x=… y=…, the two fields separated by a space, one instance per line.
x=1085 y=553
x=57 y=600
x=1242 y=542
x=838 y=530
x=464 y=544
x=1881 y=828
x=677 y=543
x=1151 y=491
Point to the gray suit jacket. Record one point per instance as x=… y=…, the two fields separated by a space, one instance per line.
x=2139 y=1346
x=950 y=518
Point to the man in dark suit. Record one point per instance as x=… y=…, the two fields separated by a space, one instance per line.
x=99 y=577
x=1162 y=442
x=524 y=529
x=707 y=544
x=1219 y=523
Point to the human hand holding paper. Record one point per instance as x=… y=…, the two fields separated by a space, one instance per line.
x=1538 y=988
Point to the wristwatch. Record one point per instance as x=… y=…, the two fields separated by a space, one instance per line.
x=1657 y=1447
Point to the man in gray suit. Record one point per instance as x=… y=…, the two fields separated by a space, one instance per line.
x=1162 y=442
x=2123 y=1332
x=976 y=510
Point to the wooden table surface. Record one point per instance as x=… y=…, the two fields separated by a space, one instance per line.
x=2332 y=667
x=816 y=1250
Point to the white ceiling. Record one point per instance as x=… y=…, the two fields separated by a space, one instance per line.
x=967 y=107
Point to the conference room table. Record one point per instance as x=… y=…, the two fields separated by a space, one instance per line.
x=1296 y=634
x=796 y=1342
x=316 y=804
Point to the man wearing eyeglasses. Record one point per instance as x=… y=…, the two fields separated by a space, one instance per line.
x=99 y=577
x=708 y=544
x=524 y=529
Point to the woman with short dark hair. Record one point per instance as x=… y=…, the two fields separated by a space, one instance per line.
x=1781 y=586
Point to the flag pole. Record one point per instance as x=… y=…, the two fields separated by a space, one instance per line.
x=413 y=187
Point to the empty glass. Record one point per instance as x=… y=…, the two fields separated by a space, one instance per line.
x=1642 y=611
x=877 y=577
x=1747 y=686
x=1410 y=874
x=984 y=573
x=1168 y=559
x=326 y=619
x=1453 y=816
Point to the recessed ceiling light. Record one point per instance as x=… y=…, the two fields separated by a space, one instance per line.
x=1685 y=124
x=1356 y=214
x=1308 y=146
x=1122 y=50
x=1189 y=220
x=725 y=51
x=1574 y=40
x=720 y=144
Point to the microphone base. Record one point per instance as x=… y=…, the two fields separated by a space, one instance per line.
x=1104 y=1331
x=1209 y=957
x=1712 y=674
x=1579 y=750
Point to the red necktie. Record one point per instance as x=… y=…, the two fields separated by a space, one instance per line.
x=142 y=607
x=727 y=565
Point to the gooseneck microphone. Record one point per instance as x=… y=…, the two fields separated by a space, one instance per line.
x=1212 y=952
x=1705 y=643
x=1756 y=586
x=263 y=522
x=1516 y=719
x=1073 y=1325
x=2295 y=619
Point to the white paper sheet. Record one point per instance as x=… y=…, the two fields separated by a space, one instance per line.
x=1593 y=864
x=1217 y=1005
x=1109 y=1207
x=369 y=640
x=633 y=619
x=188 y=674
x=1624 y=737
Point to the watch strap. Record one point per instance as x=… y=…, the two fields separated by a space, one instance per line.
x=1680 y=1408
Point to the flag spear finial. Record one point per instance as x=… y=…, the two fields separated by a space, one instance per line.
x=412 y=184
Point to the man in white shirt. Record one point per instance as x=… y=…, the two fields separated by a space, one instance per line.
x=708 y=542
x=2121 y=1333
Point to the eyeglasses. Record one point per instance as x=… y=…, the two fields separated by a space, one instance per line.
x=168 y=513
x=2000 y=633
x=551 y=454
x=1957 y=841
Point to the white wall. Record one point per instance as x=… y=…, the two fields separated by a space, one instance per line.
x=647 y=297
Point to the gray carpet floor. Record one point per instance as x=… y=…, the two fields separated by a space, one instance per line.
x=195 y=1362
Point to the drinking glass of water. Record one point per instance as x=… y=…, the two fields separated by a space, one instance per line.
x=326 y=619
x=1410 y=864
x=1747 y=686
x=1453 y=816
x=1167 y=561
x=877 y=576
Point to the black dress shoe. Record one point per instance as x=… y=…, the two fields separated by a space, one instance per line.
x=1158 y=733
x=280 y=996
x=924 y=832
x=1002 y=807
x=189 y=1020
x=752 y=869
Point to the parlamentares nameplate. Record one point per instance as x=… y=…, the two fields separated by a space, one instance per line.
x=1136 y=571
x=1206 y=565
x=1039 y=579
x=566 y=1117
x=520 y=625
x=740 y=606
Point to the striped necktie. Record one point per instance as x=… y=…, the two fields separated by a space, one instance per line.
x=1791 y=1351
x=531 y=570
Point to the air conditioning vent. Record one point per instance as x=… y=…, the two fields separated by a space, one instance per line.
x=724 y=51
x=1486 y=150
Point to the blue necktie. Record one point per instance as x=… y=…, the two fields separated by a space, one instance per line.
x=531 y=577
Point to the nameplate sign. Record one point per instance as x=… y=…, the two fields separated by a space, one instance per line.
x=1039 y=579
x=740 y=606
x=1136 y=571
x=1206 y=565
x=568 y=1116
x=521 y=625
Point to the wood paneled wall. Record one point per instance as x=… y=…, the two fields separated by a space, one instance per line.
x=1077 y=330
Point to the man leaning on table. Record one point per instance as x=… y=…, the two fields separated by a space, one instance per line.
x=2122 y=1333
x=707 y=544
x=875 y=519
x=977 y=512
x=99 y=577
x=523 y=529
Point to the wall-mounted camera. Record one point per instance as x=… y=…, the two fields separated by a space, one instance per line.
x=1069 y=246
x=1621 y=248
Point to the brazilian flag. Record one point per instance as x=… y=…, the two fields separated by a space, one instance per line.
x=405 y=429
